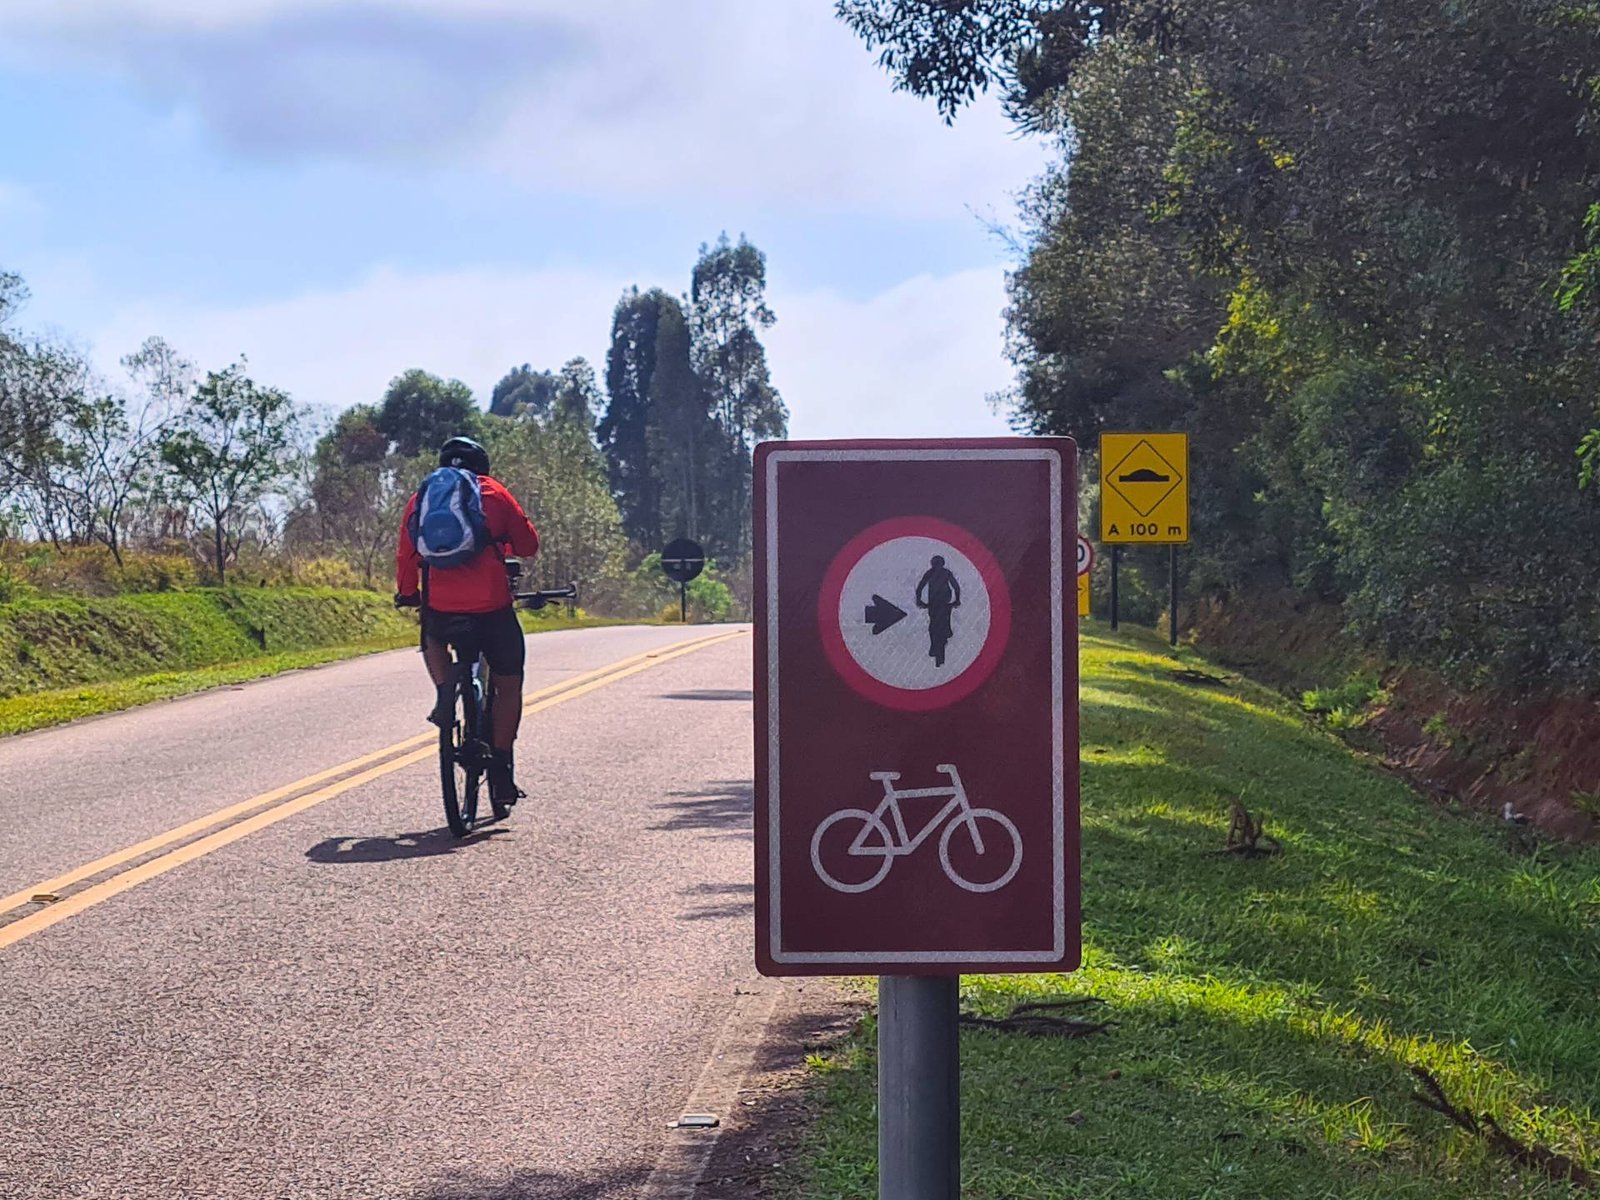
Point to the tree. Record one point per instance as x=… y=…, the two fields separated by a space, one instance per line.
x=624 y=430
x=1334 y=240
x=420 y=412
x=119 y=439
x=229 y=447
x=682 y=436
x=577 y=394
x=727 y=307
x=522 y=390
x=952 y=50
x=41 y=386
x=358 y=491
x=556 y=471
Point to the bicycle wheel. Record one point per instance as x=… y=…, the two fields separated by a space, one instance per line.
x=871 y=842
x=991 y=854
x=486 y=736
x=461 y=759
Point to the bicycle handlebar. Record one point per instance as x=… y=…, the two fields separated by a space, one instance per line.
x=534 y=600
x=537 y=600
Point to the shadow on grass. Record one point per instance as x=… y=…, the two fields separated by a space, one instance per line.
x=1377 y=906
x=359 y=849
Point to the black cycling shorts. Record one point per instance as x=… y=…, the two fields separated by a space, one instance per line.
x=496 y=635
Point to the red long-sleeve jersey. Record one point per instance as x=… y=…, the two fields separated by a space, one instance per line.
x=478 y=586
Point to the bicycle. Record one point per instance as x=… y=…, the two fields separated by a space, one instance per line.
x=877 y=839
x=465 y=742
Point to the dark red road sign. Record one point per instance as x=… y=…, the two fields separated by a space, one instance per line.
x=916 y=707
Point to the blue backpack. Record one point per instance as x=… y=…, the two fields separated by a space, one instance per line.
x=448 y=525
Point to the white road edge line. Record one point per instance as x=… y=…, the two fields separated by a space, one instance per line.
x=683 y=1160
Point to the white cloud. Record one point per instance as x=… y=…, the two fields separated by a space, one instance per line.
x=916 y=360
x=336 y=348
x=631 y=99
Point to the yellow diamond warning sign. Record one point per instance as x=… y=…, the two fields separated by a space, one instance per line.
x=1144 y=487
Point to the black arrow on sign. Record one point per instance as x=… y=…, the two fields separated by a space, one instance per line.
x=882 y=614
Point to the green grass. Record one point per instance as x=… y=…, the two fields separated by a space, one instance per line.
x=1268 y=1010
x=55 y=706
x=50 y=643
x=37 y=710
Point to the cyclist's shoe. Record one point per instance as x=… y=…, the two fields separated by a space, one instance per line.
x=443 y=709
x=503 y=788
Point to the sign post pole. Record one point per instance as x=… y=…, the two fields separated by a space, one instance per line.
x=1116 y=561
x=919 y=1088
x=1172 y=608
x=683 y=603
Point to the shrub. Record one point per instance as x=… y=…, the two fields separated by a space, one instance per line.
x=1350 y=696
x=328 y=573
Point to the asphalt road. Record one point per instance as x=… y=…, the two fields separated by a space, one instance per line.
x=324 y=994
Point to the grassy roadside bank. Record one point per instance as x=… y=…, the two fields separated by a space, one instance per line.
x=1268 y=1010
x=114 y=654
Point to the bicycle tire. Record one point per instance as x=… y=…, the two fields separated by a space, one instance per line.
x=970 y=820
x=871 y=822
x=460 y=754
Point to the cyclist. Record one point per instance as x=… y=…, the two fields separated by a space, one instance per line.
x=472 y=600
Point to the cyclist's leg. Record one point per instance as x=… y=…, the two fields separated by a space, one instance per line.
x=503 y=645
x=436 y=658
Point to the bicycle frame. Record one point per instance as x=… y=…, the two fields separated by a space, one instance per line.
x=890 y=804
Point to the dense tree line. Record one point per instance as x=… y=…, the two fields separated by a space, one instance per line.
x=690 y=395
x=234 y=471
x=1354 y=250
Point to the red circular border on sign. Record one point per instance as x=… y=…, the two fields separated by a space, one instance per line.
x=911 y=699
x=1085 y=541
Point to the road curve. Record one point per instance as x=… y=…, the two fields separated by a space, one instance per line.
x=345 y=1001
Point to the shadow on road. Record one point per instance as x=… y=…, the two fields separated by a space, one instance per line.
x=723 y=808
x=711 y=694
x=358 y=849
x=540 y=1185
x=764 y=1134
x=721 y=900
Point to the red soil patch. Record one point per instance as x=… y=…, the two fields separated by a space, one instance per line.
x=1541 y=753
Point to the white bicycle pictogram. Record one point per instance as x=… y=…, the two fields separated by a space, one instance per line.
x=884 y=835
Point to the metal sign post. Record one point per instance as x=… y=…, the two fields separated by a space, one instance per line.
x=1172 y=606
x=682 y=561
x=916 y=743
x=1116 y=563
x=919 y=1089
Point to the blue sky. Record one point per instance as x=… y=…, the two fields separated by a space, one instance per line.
x=341 y=190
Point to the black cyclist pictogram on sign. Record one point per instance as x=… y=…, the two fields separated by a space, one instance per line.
x=939 y=591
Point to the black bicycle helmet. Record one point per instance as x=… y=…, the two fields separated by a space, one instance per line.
x=464 y=452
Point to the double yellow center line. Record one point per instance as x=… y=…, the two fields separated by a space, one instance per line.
x=240 y=820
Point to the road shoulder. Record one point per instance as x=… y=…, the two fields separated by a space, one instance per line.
x=764 y=1128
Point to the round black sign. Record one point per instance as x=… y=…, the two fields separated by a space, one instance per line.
x=682 y=560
